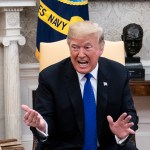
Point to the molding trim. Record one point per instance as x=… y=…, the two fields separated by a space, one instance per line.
x=6 y=41
x=17 y=3
x=143 y=134
x=144 y=120
x=32 y=70
x=28 y=71
x=146 y=65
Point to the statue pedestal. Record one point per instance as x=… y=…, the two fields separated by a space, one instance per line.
x=135 y=68
x=132 y=60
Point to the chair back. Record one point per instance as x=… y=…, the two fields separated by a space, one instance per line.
x=54 y=52
x=114 y=50
x=51 y=53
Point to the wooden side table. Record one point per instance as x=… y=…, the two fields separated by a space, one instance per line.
x=10 y=144
x=140 y=87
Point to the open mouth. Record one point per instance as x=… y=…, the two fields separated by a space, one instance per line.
x=83 y=63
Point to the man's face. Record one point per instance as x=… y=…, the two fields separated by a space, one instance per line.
x=132 y=41
x=85 y=52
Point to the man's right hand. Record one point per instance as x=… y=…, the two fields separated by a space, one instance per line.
x=33 y=118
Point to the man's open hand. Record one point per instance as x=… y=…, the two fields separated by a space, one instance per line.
x=33 y=118
x=122 y=127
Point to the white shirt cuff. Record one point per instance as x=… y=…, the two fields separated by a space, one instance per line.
x=43 y=134
x=120 y=141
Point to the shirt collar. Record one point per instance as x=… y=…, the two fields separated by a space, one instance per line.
x=93 y=72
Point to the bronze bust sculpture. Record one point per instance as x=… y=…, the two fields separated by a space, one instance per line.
x=132 y=37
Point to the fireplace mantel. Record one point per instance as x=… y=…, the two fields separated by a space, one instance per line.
x=17 y=3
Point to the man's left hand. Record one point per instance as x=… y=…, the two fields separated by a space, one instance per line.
x=122 y=127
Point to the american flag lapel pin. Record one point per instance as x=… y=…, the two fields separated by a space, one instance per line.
x=105 y=84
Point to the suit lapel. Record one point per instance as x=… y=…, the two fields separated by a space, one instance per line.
x=102 y=95
x=74 y=91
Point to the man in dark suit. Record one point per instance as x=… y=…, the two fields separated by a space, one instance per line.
x=58 y=121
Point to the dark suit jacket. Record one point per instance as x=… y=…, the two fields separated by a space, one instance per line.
x=59 y=101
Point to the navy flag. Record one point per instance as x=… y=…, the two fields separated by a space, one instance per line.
x=55 y=16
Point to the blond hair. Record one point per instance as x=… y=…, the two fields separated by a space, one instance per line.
x=85 y=28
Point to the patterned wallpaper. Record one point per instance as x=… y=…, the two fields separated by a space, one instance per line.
x=112 y=15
